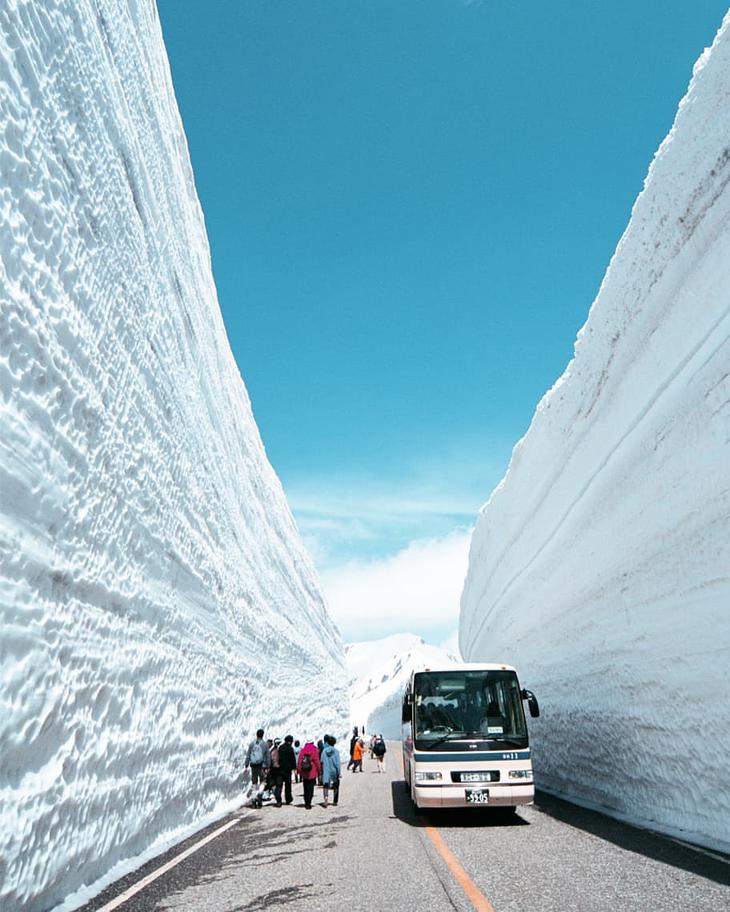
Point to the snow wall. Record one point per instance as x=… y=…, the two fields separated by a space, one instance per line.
x=156 y=604
x=600 y=564
x=379 y=671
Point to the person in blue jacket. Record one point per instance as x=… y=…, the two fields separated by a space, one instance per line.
x=330 y=770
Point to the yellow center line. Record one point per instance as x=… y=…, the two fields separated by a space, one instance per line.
x=471 y=890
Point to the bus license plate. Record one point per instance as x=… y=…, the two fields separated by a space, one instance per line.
x=477 y=796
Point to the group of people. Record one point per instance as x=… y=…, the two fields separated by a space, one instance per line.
x=357 y=751
x=273 y=762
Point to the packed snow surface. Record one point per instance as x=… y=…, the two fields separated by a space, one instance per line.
x=599 y=566
x=378 y=673
x=155 y=600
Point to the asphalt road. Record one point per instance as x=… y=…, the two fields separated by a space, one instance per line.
x=375 y=852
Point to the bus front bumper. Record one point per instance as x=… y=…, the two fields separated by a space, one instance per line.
x=446 y=796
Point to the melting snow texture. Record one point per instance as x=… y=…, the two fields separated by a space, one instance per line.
x=379 y=671
x=599 y=566
x=155 y=600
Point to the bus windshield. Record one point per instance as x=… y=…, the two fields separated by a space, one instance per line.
x=450 y=705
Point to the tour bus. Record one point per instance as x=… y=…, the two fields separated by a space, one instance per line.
x=465 y=737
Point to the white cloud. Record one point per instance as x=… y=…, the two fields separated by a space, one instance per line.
x=416 y=590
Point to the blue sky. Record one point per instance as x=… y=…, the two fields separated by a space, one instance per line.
x=411 y=205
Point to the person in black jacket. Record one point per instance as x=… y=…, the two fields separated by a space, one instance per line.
x=353 y=742
x=287 y=765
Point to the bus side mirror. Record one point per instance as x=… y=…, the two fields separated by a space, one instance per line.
x=407 y=711
x=532 y=703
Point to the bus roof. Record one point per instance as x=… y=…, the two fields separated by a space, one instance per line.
x=467 y=666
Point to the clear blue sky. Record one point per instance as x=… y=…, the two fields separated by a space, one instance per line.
x=410 y=207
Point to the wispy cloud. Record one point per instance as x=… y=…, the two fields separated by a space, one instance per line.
x=356 y=525
x=392 y=549
x=363 y=518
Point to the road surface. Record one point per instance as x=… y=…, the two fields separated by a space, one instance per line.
x=374 y=852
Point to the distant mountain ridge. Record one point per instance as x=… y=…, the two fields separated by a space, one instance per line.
x=378 y=671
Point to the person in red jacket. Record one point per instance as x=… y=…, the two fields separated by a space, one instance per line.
x=309 y=768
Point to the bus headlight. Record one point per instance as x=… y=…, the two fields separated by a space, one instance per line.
x=428 y=777
x=520 y=774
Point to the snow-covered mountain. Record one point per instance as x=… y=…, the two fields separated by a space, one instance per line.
x=378 y=672
x=599 y=566
x=156 y=603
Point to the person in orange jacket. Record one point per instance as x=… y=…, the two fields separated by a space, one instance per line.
x=357 y=751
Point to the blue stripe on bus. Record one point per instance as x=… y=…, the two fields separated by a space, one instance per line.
x=474 y=755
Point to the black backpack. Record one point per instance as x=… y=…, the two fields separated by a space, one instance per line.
x=379 y=747
x=306 y=763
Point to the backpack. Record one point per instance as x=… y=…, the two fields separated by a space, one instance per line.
x=379 y=747
x=307 y=763
x=275 y=756
x=256 y=755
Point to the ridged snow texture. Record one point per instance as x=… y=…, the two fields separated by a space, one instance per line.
x=599 y=566
x=157 y=604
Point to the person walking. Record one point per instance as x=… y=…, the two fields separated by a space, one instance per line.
x=330 y=770
x=309 y=768
x=320 y=748
x=297 y=748
x=287 y=765
x=258 y=757
x=353 y=742
x=379 y=750
x=357 y=752
x=273 y=765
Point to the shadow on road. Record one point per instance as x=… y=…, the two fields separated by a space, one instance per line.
x=258 y=840
x=634 y=839
x=282 y=897
x=462 y=818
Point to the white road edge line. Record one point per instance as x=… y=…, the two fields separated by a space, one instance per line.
x=141 y=884
x=695 y=848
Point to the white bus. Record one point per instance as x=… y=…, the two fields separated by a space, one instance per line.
x=465 y=737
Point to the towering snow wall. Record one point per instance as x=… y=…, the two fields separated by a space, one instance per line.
x=156 y=604
x=600 y=564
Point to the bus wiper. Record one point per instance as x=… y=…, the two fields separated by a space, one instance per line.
x=483 y=736
x=452 y=736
